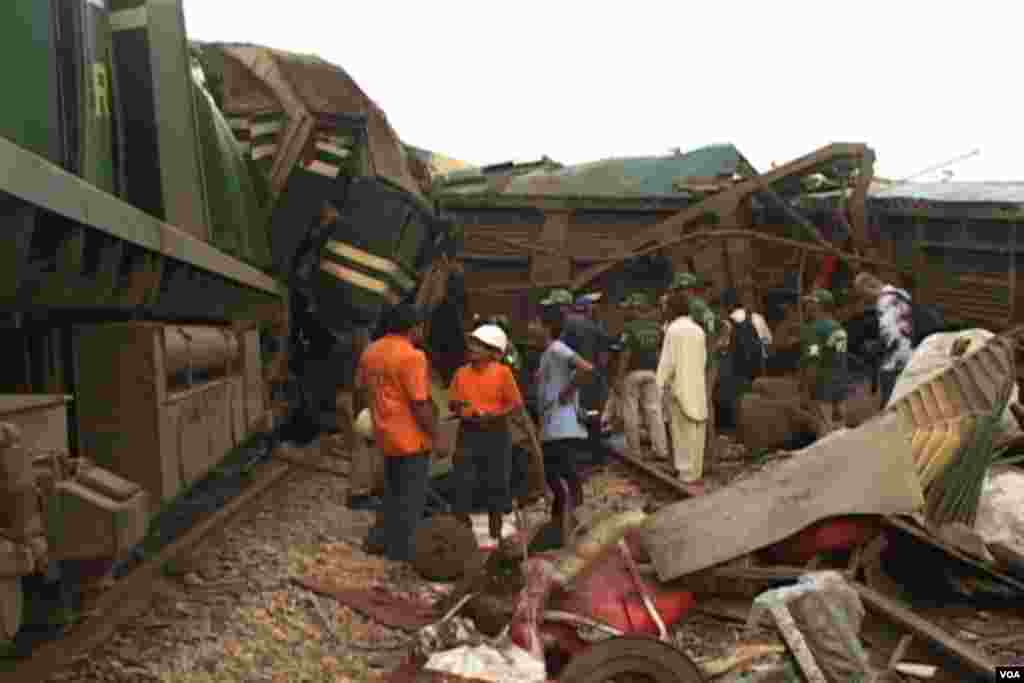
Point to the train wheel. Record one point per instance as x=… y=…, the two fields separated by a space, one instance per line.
x=444 y=548
x=635 y=659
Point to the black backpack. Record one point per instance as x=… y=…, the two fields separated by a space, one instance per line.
x=927 y=320
x=747 y=348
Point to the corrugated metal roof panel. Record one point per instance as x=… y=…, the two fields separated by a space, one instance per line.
x=630 y=176
x=970 y=193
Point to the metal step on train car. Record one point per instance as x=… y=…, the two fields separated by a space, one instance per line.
x=165 y=206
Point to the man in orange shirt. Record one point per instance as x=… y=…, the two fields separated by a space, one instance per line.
x=485 y=394
x=395 y=378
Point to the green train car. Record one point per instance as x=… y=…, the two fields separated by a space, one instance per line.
x=166 y=208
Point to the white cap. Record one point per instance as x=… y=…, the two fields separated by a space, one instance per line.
x=491 y=336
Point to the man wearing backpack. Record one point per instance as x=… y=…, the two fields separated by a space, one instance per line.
x=895 y=327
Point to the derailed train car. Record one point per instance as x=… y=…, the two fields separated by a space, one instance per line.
x=623 y=224
x=157 y=250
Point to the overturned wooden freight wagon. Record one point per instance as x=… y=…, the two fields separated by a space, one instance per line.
x=627 y=223
x=964 y=242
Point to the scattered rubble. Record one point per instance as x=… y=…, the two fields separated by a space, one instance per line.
x=834 y=533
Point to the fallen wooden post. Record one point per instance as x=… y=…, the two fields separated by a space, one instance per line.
x=968 y=655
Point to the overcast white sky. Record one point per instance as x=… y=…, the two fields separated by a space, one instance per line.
x=921 y=82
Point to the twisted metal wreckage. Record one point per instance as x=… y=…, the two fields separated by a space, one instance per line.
x=725 y=217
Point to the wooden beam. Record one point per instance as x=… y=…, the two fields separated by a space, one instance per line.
x=898 y=524
x=722 y=205
x=583 y=278
x=859 y=199
x=969 y=656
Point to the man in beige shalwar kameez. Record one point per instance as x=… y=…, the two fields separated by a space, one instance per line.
x=681 y=374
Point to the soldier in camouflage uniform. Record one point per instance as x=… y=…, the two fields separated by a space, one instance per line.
x=636 y=382
x=824 y=379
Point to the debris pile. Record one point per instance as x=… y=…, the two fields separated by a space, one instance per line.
x=825 y=559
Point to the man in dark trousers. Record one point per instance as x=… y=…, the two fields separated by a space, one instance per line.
x=395 y=378
x=559 y=378
x=587 y=336
x=824 y=377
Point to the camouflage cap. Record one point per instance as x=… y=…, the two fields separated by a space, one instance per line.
x=558 y=297
x=685 y=280
x=821 y=296
x=636 y=300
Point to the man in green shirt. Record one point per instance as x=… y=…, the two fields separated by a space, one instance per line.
x=637 y=375
x=824 y=379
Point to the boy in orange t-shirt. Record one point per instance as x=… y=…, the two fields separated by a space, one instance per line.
x=484 y=393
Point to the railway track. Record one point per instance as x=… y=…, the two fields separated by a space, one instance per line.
x=116 y=605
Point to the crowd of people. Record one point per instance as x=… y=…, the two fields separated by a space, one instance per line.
x=659 y=376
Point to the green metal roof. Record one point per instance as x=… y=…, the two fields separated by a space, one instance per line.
x=621 y=177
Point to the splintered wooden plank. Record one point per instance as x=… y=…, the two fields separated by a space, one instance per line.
x=869 y=470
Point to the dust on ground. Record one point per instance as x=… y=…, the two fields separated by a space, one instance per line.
x=231 y=611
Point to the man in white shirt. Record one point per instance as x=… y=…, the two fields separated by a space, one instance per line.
x=681 y=373
x=895 y=327
x=563 y=435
